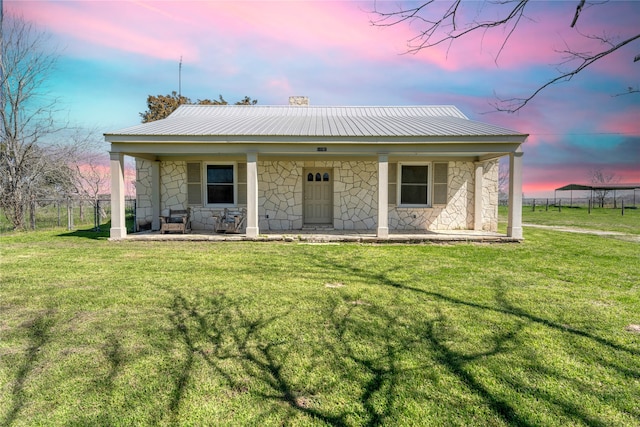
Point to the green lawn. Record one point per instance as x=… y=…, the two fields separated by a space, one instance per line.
x=598 y=219
x=182 y=333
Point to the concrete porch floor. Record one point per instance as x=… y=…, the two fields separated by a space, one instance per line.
x=329 y=236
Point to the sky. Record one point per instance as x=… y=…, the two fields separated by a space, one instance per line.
x=113 y=54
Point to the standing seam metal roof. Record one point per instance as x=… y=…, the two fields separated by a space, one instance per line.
x=254 y=120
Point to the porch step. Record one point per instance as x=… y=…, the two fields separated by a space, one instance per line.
x=317 y=228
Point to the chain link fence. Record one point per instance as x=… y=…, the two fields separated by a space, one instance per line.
x=71 y=214
x=629 y=200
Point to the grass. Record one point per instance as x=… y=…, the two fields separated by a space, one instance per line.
x=599 y=219
x=182 y=333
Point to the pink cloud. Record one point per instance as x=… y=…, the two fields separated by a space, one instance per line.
x=549 y=177
x=115 y=25
x=539 y=39
x=279 y=85
x=627 y=123
x=168 y=29
x=543 y=124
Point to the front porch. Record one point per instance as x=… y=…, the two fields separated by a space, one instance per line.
x=423 y=171
x=332 y=236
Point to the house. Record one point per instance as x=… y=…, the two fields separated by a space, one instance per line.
x=394 y=168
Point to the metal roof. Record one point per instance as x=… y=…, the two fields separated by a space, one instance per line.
x=569 y=187
x=315 y=121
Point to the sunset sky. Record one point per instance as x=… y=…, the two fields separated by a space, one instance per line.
x=113 y=54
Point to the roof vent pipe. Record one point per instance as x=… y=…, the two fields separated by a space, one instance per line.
x=299 y=101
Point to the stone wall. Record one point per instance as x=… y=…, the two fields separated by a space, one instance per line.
x=173 y=194
x=280 y=195
x=457 y=214
x=173 y=185
x=144 y=212
x=490 y=196
x=355 y=197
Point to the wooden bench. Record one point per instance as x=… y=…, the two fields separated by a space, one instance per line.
x=229 y=221
x=177 y=220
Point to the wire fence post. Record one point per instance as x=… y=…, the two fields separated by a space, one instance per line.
x=96 y=215
x=69 y=215
x=32 y=212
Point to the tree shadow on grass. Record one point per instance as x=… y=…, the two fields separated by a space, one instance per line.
x=102 y=233
x=87 y=234
x=457 y=362
x=379 y=364
x=365 y=343
x=362 y=343
x=501 y=306
x=38 y=332
x=218 y=331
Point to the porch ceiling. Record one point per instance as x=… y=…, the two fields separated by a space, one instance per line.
x=318 y=151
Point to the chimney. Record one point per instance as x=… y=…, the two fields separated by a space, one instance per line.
x=299 y=100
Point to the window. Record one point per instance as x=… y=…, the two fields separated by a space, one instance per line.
x=421 y=184
x=221 y=185
x=414 y=185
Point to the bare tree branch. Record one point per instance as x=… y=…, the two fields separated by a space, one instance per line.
x=578 y=10
x=512 y=105
x=629 y=91
x=446 y=28
x=439 y=25
x=27 y=166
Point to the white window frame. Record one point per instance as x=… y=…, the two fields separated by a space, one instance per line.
x=205 y=185
x=429 y=166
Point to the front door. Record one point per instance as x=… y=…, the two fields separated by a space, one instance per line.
x=318 y=196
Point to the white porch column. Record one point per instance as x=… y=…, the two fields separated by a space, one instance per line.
x=514 y=226
x=118 y=225
x=252 y=195
x=477 y=207
x=155 y=195
x=383 y=196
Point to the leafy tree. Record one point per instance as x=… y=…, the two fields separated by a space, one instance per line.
x=247 y=101
x=442 y=22
x=160 y=106
x=29 y=167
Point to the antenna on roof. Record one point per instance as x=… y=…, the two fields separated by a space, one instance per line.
x=180 y=78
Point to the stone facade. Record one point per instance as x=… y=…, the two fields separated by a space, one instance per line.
x=144 y=212
x=355 y=196
x=457 y=214
x=280 y=195
x=173 y=194
x=490 y=196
